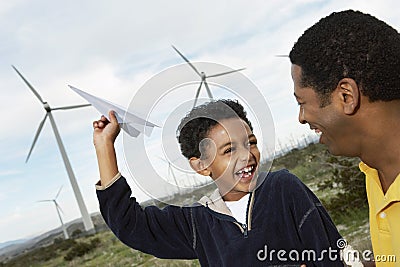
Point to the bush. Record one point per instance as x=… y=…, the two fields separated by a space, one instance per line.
x=76 y=233
x=78 y=250
x=344 y=177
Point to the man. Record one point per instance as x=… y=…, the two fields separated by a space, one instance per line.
x=346 y=74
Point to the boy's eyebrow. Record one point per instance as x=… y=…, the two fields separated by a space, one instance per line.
x=229 y=143
x=224 y=145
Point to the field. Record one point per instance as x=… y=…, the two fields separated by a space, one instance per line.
x=312 y=164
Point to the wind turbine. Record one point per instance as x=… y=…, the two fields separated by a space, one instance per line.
x=58 y=208
x=171 y=171
x=87 y=221
x=203 y=77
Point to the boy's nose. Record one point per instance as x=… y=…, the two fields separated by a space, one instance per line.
x=245 y=154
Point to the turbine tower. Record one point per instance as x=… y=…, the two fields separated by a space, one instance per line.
x=58 y=208
x=203 y=77
x=87 y=221
x=171 y=171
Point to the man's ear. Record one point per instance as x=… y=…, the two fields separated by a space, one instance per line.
x=199 y=166
x=349 y=95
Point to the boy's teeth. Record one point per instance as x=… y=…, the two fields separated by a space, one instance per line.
x=246 y=169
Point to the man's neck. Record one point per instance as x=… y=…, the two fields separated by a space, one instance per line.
x=381 y=143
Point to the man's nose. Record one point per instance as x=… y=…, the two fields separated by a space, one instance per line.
x=302 y=118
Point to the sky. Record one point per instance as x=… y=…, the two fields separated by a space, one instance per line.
x=111 y=49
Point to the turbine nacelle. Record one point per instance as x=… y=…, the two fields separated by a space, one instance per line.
x=46 y=106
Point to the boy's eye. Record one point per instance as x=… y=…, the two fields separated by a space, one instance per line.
x=229 y=150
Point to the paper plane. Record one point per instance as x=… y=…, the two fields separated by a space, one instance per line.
x=130 y=123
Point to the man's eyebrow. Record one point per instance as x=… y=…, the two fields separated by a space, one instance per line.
x=296 y=96
x=251 y=135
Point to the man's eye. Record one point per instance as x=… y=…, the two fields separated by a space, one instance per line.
x=252 y=143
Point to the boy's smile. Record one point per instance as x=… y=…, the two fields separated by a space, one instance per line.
x=233 y=158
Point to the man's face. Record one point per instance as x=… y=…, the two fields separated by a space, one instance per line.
x=329 y=121
x=233 y=158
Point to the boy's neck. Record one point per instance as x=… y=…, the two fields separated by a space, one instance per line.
x=234 y=196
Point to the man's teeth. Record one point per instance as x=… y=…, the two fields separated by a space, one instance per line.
x=318 y=131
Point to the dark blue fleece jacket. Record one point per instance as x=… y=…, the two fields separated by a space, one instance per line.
x=286 y=225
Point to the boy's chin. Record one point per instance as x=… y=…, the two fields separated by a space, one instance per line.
x=235 y=182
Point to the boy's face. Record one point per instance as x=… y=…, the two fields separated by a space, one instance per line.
x=231 y=158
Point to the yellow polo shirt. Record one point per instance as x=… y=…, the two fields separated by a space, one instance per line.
x=384 y=218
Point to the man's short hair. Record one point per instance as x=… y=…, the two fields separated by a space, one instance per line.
x=350 y=44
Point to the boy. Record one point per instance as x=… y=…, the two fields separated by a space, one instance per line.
x=250 y=220
x=348 y=87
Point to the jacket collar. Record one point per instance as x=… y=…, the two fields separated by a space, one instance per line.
x=215 y=203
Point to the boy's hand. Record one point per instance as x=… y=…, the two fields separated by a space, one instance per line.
x=105 y=131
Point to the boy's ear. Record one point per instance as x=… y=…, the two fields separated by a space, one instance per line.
x=199 y=166
x=349 y=95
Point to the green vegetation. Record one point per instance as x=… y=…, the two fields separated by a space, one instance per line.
x=335 y=180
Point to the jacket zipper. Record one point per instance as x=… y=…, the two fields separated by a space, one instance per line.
x=244 y=228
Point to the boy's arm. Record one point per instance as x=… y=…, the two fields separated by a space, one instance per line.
x=163 y=233
x=104 y=135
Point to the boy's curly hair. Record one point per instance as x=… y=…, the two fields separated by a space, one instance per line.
x=350 y=44
x=195 y=126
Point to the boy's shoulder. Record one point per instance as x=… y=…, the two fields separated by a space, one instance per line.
x=282 y=182
x=281 y=178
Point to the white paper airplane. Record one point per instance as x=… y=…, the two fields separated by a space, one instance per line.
x=132 y=124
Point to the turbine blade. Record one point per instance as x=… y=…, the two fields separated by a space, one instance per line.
x=36 y=137
x=224 y=73
x=282 y=55
x=191 y=65
x=59 y=190
x=29 y=85
x=197 y=94
x=71 y=107
x=172 y=170
x=44 y=200
x=208 y=90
